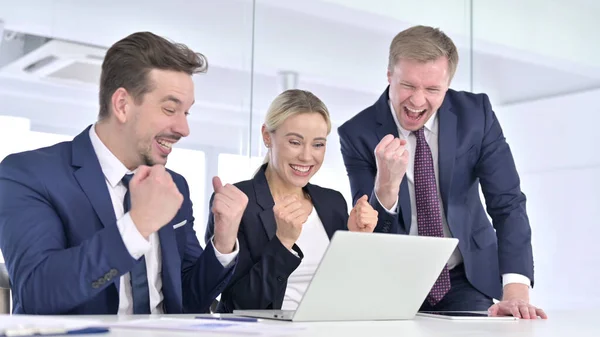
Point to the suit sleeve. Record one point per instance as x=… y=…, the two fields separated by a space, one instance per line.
x=203 y=275
x=361 y=173
x=505 y=202
x=46 y=276
x=257 y=284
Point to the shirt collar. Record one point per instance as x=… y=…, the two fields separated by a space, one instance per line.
x=431 y=125
x=111 y=166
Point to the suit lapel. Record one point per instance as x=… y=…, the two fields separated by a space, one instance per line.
x=265 y=200
x=387 y=126
x=384 y=118
x=91 y=179
x=171 y=263
x=168 y=244
x=268 y=220
x=324 y=209
x=447 y=150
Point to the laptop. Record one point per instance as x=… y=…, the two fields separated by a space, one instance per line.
x=369 y=276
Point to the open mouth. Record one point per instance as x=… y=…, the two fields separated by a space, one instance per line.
x=301 y=170
x=414 y=114
x=164 y=145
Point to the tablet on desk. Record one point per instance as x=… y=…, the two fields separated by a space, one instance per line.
x=464 y=315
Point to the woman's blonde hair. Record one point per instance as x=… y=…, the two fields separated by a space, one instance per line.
x=290 y=103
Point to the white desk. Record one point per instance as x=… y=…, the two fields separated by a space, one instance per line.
x=560 y=323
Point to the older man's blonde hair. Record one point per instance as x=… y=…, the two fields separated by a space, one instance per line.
x=423 y=44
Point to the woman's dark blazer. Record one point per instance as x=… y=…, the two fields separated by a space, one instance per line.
x=264 y=264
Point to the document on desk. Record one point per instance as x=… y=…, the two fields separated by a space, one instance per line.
x=209 y=326
x=30 y=325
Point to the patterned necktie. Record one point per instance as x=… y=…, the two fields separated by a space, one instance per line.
x=429 y=218
x=139 y=278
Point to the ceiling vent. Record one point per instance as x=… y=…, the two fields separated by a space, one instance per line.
x=59 y=61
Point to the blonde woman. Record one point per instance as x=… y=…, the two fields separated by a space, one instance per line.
x=288 y=222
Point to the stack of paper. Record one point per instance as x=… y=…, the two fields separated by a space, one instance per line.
x=27 y=325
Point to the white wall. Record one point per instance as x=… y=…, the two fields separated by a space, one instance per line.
x=562 y=29
x=555 y=144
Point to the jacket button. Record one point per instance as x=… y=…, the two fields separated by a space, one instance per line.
x=113 y=272
x=95 y=285
x=387 y=222
x=280 y=279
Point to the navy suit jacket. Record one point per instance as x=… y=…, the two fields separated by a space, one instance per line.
x=472 y=151
x=264 y=263
x=62 y=247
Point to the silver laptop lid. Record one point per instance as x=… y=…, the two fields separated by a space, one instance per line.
x=374 y=276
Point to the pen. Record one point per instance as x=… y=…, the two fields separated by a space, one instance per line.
x=232 y=319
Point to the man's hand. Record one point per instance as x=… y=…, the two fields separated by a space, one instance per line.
x=229 y=204
x=155 y=199
x=289 y=216
x=363 y=218
x=515 y=302
x=392 y=159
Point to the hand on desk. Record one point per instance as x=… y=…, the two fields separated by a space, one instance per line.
x=363 y=218
x=515 y=302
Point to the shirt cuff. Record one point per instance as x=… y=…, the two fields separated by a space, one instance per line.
x=390 y=211
x=135 y=242
x=226 y=259
x=515 y=278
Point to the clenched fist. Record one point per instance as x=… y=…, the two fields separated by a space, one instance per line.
x=289 y=216
x=391 y=157
x=155 y=199
x=229 y=204
x=363 y=218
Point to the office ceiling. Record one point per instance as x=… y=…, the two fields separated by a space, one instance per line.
x=339 y=52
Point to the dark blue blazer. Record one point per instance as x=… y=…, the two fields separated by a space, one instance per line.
x=472 y=151
x=63 y=249
x=264 y=265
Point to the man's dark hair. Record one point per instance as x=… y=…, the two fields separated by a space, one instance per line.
x=128 y=62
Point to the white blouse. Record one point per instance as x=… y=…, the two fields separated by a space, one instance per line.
x=313 y=242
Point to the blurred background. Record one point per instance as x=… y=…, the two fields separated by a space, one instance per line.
x=537 y=60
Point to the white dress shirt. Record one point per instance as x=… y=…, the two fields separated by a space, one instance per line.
x=431 y=136
x=313 y=242
x=136 y=244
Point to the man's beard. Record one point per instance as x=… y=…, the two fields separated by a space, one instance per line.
x=147 y=158
x=147 y=155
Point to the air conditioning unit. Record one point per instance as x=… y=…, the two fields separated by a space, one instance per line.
x=59 y=61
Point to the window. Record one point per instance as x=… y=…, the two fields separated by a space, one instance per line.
x=15 y=136
x=191 y=164
x=234 y=168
